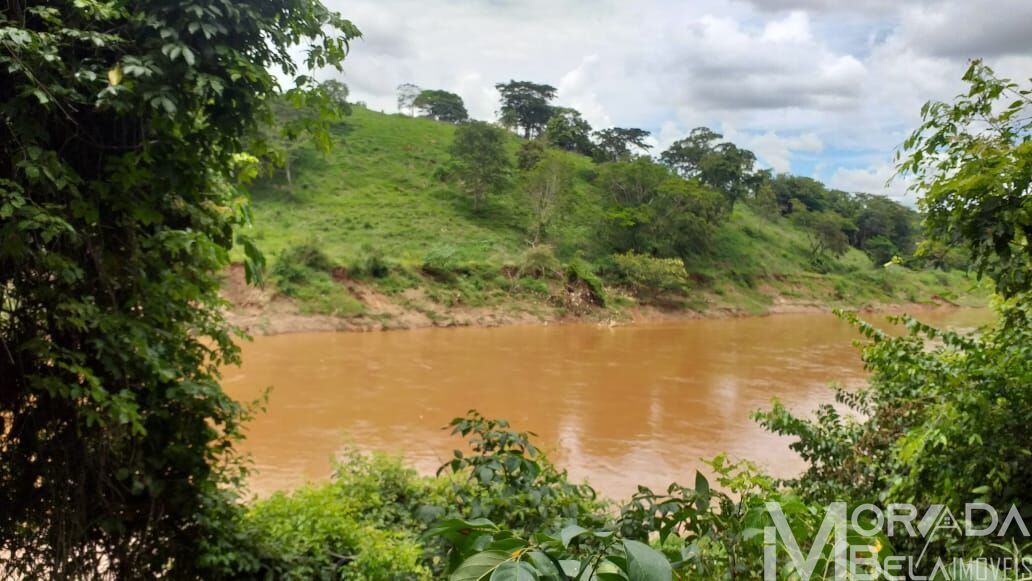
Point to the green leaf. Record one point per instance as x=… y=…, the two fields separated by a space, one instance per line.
x=702 y=491
x=645 y=563
x=514 y=571
x=508 y=545
x=457 y=524
x=571 y=532
x=570 y=567
x=479 y=566
x=609 y=571
x=545 y=565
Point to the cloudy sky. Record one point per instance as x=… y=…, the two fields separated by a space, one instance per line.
x=825 y=88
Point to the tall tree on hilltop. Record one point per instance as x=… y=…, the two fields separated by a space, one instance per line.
x=337 y=92
x=122 y=134
x=568 y=130
x=729 y=170
x=685 y=155
x=441 y=106
x=407 y=93
x=719 y=165
x=615 y=143
x=526 y=106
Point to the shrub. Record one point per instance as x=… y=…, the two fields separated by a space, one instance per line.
x=508 y=479
x=441 y=263
x=364 y=524
x=540 y=261
x=699 y=532
x=308 y=255
x=649 y=276
x=370 y=264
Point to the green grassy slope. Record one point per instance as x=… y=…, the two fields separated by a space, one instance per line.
x=376 y=194
x=376 y=188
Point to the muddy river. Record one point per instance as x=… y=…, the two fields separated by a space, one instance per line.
x=617 y=406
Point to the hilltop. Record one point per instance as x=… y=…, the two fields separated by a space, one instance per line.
x=371 y=235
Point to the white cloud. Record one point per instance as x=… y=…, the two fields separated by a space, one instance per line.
x=794 y=28
x=576 y=90
x=776 y=151
x=970 y=29
x=876 y=179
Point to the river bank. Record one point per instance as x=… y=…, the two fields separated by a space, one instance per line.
x=262 y=311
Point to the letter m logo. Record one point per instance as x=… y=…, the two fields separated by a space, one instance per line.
x=834 y=521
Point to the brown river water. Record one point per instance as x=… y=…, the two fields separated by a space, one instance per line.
x=616 y=406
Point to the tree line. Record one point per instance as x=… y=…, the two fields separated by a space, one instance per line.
x=665 y=205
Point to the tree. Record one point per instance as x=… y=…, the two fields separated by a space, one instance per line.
x=826 y=230
x=880 y=217
x=652 y=211
x=685 y=155
x=526 y=106
x=615 y=143
x=441 y=106
x=722 y=166
x=547 y=187
x=809 y=192
x=122 y=153
x=338 y=93
x=881 y=250
x=296 y=120
x=530 y=153
x=481 y=161
x=728 y=169
x=972 y=161
x=407 y=93
x=568 y=130
x=686 y=217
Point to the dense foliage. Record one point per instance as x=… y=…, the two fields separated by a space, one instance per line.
x=972 y=163
x=121 y=126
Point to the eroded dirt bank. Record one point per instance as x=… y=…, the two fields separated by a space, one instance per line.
x=263 y=312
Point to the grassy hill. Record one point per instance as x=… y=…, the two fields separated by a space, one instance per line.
x=368 y=232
